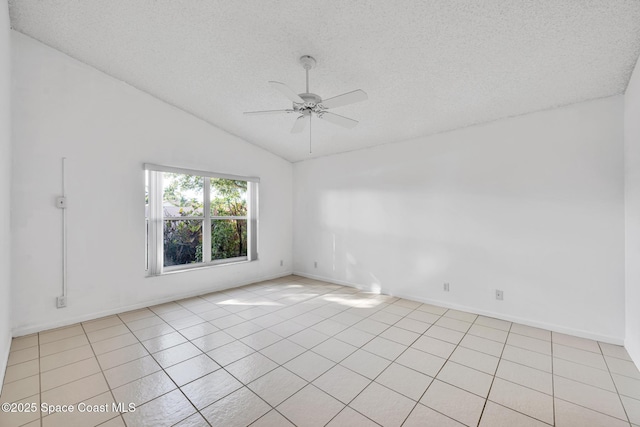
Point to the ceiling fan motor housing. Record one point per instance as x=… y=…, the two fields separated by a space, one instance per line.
x=312 y=103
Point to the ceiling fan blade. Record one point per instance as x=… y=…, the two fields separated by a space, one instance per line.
x=338 y=120
x=345 y=99
x=299 y=124
x=256 y=113
x=287 y=91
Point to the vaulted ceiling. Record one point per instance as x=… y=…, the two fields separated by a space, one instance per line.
x=427 y=66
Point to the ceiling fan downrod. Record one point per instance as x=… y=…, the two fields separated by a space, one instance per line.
x=308 y=62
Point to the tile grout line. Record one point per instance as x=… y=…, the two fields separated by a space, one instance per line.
x=311 y=325
x=445 y=362
x=339 y=363
x=437 y=373
x=616 y=387
x=282 y=366
x=589 y=385
x=221 y=367
x=371 y=381
x=389 y=326
x=494 y=377
x=84 y=333
x=590 y=409
x=434 y=377
x=165 y=372
x=229 y=373
x=553 y=375
x=103 y=375
x=372 y=314
x=331 y=336
x=565 y=359
x=61 y=385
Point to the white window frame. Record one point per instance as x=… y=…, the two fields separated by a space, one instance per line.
x=155 y=238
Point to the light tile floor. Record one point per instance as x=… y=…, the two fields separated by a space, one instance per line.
x=295 y=351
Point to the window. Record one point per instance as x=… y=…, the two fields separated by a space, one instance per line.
x=195 y=218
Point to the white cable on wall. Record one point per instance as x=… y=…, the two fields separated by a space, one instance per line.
x=64 y=234
x=61 y=202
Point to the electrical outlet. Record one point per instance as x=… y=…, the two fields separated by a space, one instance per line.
x=446 y=287
x=499 y=295
x=315 y=264
x=61 y=302
x=281 y=263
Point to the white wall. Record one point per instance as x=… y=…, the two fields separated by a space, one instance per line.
x=531 y=205
x=107 y=130
x=632 y=211
x=5 y=189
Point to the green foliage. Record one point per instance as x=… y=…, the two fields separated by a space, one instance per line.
x=183 y=238
x=228 y=197
x=228 y=238
x=182 y=242
x=184 y=191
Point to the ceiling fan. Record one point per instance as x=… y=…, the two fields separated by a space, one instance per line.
x=309 y=104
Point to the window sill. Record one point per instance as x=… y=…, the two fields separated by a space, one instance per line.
x=202 y=267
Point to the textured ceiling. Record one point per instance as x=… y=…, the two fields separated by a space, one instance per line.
x=426 y=66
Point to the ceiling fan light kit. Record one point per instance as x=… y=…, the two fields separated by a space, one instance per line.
x=309 y=104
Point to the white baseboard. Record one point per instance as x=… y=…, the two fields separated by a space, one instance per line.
x=524 y=321
x=26 y=330
x=334 y=281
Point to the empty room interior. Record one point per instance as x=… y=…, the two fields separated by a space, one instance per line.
x=278 y=213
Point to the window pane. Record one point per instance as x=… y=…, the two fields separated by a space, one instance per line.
x=182 y=242
x=182 y=195
x=228 y=238
x=228 y=197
